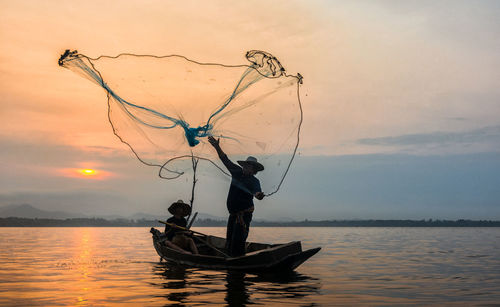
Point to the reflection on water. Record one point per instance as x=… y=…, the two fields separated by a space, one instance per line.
x=183 y=286
x=364 y=266
x=83 y=253
x=236 y=289
x=175 y=282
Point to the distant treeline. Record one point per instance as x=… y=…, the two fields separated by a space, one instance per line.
x=99 y=222
x=382 y=223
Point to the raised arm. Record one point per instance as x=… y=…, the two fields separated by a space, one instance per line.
x=232 y=168
x=215 y=143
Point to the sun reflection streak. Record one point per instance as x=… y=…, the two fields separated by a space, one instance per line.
x=84 y=266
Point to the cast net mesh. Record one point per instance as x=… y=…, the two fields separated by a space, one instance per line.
x=165 y=107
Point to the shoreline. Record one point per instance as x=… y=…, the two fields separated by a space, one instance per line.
x=100 y=222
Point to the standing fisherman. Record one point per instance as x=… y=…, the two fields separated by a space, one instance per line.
x=244 y=187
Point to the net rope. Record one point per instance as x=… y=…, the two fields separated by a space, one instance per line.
x=263 y=67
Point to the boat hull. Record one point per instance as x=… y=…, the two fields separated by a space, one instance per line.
x=262 y=258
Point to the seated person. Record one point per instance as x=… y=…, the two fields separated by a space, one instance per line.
x=177 y=238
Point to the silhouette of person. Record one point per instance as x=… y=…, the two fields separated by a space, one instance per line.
x=244 y=187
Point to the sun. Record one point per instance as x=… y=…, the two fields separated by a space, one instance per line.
x=87 y=172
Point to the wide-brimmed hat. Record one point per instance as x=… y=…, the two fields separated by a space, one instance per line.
x=185 y=207
x=253 y=162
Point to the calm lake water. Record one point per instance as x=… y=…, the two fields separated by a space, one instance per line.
x=357 y=266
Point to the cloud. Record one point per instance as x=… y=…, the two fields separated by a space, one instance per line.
x=81 y=202
x=36 y=164
x=32 y=172
x=38 y=150
x=326 y=187
x=490 y=135
x=390 y=186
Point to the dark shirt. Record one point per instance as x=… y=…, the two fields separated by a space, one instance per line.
x=242 y=189
x=171 y=231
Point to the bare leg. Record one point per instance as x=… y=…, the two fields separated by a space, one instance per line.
x=177 y=248
x=193 y=247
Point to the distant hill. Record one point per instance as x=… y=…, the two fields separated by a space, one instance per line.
x=28 y=211
x=144 y=216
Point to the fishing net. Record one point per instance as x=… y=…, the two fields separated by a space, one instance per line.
x=165 y=107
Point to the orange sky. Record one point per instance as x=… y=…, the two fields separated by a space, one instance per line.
x=369 y=71
x=372 y=70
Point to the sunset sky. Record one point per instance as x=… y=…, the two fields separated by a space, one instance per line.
x=401 y=104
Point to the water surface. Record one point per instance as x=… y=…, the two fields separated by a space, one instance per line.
x=364 y=266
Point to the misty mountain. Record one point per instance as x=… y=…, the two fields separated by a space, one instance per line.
x=28 y=211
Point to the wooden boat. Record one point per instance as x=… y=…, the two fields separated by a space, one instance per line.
x=260 y=258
